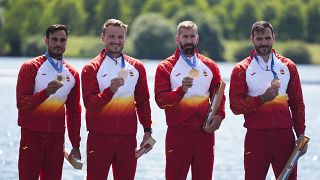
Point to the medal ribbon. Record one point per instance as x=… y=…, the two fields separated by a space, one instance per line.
x=54 y=65
x=272 y=65
x=115 y=60
x=191 y=64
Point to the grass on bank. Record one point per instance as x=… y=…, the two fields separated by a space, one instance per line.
x=89 y=47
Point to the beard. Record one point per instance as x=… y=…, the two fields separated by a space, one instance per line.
x=56 y=52
x=263 y=50
x=188 y=49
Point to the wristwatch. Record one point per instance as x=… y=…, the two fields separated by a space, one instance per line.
x=148 y=130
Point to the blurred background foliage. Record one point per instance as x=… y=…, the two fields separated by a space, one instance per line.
x=224 y=26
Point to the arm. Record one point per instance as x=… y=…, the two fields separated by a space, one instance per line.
x=92 y=97
x=240 y=102
x=295 y=101
x=164 y=96
x=141 y=96
x=73 y=113
x=26 y=100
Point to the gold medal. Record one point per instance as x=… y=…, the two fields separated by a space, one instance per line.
x=59 y=77
x=276 y=82
x=194 y=73
x=123 y=73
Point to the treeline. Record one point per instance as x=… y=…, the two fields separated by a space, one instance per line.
x=152 y=23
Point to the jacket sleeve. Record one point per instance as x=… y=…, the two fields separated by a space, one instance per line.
x=92 y=97
x=73 y=113
x=141 y=96
x=164 y=96
x=240 y=102
x=295 y=101
x=26 y=98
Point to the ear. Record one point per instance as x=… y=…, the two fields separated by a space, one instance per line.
x=46 y=40
x=251 y=38
x=198 y=38
x=177 y=39
x=102 y=38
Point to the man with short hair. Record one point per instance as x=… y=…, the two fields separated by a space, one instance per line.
x=115 y=91
x=48 y=91
x=184 y=82
x=265 y=87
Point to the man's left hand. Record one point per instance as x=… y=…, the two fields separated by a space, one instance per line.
x=75 y=152
x=213 y=124
x=146 y=136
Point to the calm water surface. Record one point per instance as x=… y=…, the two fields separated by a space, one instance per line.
x=229 y=138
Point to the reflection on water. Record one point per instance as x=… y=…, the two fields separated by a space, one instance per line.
x=229 y=138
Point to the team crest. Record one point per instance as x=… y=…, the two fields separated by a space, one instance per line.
x=205 y=73
x=68 y=78
x=131 y=73
x=282 y=71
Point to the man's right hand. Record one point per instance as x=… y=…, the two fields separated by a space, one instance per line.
x=271 y=93
x=53 y=86
x=116 y=83
x=187 y=83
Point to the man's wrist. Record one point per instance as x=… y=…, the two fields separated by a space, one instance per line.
x=148 y=130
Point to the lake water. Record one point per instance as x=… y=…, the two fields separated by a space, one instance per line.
x=229 y=138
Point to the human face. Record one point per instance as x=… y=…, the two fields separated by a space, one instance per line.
x=56 y=44
x=187 y=40
x=263 y=42
x=114 y=39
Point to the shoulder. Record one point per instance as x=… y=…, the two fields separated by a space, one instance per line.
x=93 y=64
x=34 y=63
x=285 y=60
x=243 y=65
x=168 y=63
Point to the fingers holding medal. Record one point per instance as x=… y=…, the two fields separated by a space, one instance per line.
x=276 y=83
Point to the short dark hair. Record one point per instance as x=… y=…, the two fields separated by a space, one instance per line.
x=55 y=27
x=261 y=26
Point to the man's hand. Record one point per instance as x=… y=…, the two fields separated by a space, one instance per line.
x=52 y=87
x=213 y=124
x=304 y=150
x=116 y=83
x=271 y=93
x=187 y=83
x=146 y=136
x=75 y=152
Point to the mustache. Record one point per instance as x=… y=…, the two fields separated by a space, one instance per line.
x=264 y=46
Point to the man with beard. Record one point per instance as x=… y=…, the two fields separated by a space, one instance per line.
x=265 y=88
x=184 y=82
x=115 y=91
x=48 y=90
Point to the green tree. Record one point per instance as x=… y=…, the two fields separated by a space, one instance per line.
x=270 y=11
x=211 y=42
x=89 y=7
x=245 y=15
x=152 y=36
x=68 y=12
x=223 y=11
x=19 y=21
x=313 y=19
x=106 y=10
x=291 y=24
